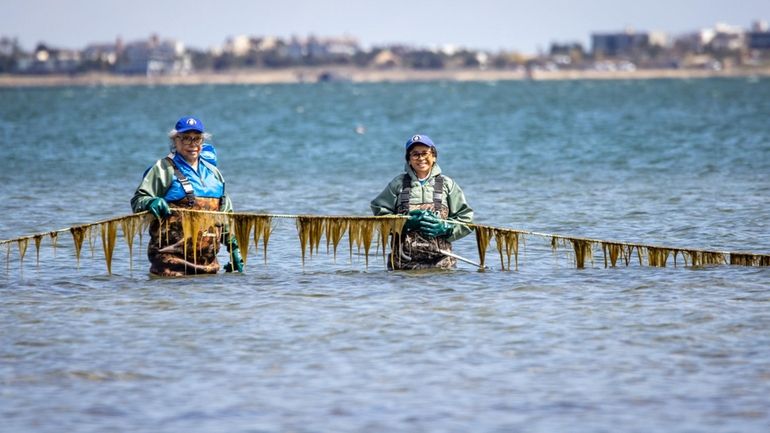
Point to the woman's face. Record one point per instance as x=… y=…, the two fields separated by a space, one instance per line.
x=421 y=159
x=188 y=145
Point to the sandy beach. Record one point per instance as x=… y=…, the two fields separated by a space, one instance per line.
x=361 y=75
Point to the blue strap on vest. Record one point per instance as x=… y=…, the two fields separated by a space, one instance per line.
x=186 y=185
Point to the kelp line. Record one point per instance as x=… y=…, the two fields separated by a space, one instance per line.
x=614 y=253
x=363 y=231
x=360 y=231
x=131 y=225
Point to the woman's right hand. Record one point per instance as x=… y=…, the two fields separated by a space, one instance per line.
x=415 y=216
x=159 y=207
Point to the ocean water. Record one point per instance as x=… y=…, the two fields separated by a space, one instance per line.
x=339 y=345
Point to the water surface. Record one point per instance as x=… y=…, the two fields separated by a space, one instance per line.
x=341 y=346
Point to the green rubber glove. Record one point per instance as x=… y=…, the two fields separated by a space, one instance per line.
x=413 y=223
x=433 y=227
x=236 y=260
x=159 y=207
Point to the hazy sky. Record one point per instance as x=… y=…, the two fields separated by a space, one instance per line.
x=524 y=26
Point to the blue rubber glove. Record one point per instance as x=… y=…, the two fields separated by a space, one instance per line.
x=413 y=223
x=433 y=227
x=236 y=260
x=159 y=207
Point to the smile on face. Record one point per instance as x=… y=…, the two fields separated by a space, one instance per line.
x=421 y=159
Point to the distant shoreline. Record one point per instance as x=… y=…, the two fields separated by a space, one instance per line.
x=361 y=75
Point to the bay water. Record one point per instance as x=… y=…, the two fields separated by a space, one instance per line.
x=342 y=345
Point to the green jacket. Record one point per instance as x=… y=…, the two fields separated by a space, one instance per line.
x=453 y=198
x=157 y=182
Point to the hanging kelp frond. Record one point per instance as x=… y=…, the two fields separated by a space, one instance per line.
x=90 y=236
x=384 y=229
x=243 y=225
x=263 y=227
x=559 y=242
x=109 y=235
x=360 y=233
x=704 y=258
x=583 y=250
x=38 y=240
x=195 y=225
x=625 y=253
x=388 y=227
x=309 y=230
x=366 y=235
x=507 y=243
x=240 y=228
x=612 y=251
x=54 y=241
x=23 y=243
x=483 y=235
x=749 y=259
x=335 y=230
x=131 y=225
x=657 y=256
x=78 y=235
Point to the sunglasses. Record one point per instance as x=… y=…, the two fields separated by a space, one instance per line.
x=420 y=155
x=190 y=139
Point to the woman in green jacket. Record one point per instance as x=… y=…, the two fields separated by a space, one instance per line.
x=438 y=212
x=184 y=179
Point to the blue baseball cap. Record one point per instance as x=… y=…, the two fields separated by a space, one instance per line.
x=189 y=123
x=419 y=139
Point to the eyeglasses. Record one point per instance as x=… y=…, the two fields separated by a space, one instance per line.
x=420 y=155
x=190 y=139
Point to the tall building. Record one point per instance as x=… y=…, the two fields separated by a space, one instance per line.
x=623 y=44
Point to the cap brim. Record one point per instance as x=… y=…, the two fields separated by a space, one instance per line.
x=190 y=129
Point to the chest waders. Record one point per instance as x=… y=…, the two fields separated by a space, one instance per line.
x=169 y=252
x=412 y=250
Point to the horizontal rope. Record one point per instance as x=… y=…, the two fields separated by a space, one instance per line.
x=473 y=226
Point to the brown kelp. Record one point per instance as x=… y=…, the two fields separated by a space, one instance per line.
x=196 y=224
x=38 y=239
x=507 y=243
x=335 y=230
x=749 y=259
x=362 y=231
x=78 y=235
x=109 y=232
x=22 y=249
x=612 y=252
x=247 y=227
x=131 y=226
x=309 y=230
x=483 y=235
x=657 y=256
x=583 y=250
